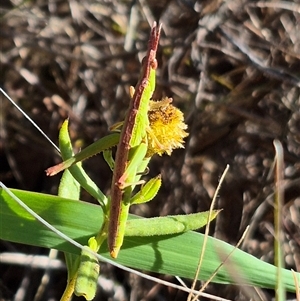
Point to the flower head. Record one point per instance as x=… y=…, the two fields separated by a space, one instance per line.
x=167 y=127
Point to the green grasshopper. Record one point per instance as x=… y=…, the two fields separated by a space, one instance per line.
x=132 y=147
x=130 y=158
x=146 y=120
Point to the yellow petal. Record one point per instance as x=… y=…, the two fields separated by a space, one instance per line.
x=167 y=127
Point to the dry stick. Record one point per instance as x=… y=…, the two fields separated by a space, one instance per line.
x=206 y=232
x=124 y=146
x=279 y=200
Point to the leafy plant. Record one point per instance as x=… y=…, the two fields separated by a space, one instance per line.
x=157 y=244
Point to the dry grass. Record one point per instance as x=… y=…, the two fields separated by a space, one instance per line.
x=232 y=67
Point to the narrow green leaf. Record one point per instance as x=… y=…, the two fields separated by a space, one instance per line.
x=147 y=191
x=171 y=224
x=76 y=169
x=169 y=254
x=69 y=188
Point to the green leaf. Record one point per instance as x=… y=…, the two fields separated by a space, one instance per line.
x=147 y=191
x=170 y=254
x=75 y=166
x=171 y=224
x=69 y=188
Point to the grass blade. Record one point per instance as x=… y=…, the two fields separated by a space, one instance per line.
x=173 y=255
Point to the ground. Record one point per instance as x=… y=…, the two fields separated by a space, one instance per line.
x=233 y=69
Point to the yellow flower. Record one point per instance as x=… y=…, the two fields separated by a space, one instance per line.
x=167 y=127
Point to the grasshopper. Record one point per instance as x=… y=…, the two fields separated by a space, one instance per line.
x=130 y=159
x=149 y=127
x=132 y=147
